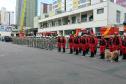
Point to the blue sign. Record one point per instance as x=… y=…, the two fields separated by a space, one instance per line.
x=5 y=28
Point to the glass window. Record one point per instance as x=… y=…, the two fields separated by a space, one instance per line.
x=73 y=19
x=91 y=18
x=100 y=11
x=124 y=16
x=82 y=1
x=118 y=15
x=84 y=18
x=59 y=22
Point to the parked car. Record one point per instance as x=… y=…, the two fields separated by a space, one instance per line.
x=6 y=39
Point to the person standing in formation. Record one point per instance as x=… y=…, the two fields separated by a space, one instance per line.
x=116 y=44
x=103 y=45
x=76 y=44
x=83 y=44
x=92 y=45
x=71 y=43
x=59 y=43
x=63 y=43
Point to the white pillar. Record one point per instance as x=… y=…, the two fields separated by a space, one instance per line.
x=63 y=32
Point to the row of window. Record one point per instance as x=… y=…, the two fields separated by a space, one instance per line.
x=118 y=16
x=65 y=21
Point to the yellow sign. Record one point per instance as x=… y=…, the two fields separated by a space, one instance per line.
x=75 y=4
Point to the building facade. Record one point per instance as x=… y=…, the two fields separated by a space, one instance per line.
x=94 y=15
x=30 y=13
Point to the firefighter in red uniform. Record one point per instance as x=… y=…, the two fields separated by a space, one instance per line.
x=63 y=43
x=76 y=44
x=71 y=43
x=102 y=47
x=83 y=44
x=59 y=43
x=92 y=46
x=124 y=47
x=116 y=44
x=110 y=44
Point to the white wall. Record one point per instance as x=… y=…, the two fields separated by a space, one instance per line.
x=100 y=17
x=112 y=13
x=36 y=24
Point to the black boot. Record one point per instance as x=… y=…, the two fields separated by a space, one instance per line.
x=102 y=56
x=121 y=53
x=92 y=54
x=124 y=56
x=71 y=50
x=116 y=59
x=76 y=51
x=80 y=50
x=63 y=50
x=84 y=53
x=59 y=49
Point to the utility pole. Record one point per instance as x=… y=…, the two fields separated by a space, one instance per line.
x=65 y=5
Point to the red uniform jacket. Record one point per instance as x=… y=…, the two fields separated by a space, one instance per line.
x=84 y=43
x=102 y=45
x=92 y=44
x=59 y=42
x=71 y=42
x=63 y=42
x=76 y=42
x=116 y=43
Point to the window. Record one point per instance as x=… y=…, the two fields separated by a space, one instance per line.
x=73 y=19
x=82 y=1
x=124 y=16
x=84 y=18
x=59 y=22
x=100 y=11
x=91 y=18
x=118 y=15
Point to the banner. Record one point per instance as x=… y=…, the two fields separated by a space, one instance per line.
x=5 y=28
x=75 y=4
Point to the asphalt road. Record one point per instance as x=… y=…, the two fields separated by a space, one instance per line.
x=25 y=65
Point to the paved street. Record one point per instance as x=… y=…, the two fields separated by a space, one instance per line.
x=25 y=65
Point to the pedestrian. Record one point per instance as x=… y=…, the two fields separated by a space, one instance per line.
x=71 y=43
x=92 y=45
x=116 y=45
x=76 y=45
x=103 y=45
x=59 y=43
x=63 y=43
x=83 y=44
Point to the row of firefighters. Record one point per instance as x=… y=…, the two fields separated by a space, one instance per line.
x=88 y=43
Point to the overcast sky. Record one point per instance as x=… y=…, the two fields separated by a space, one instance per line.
x=11 y=4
